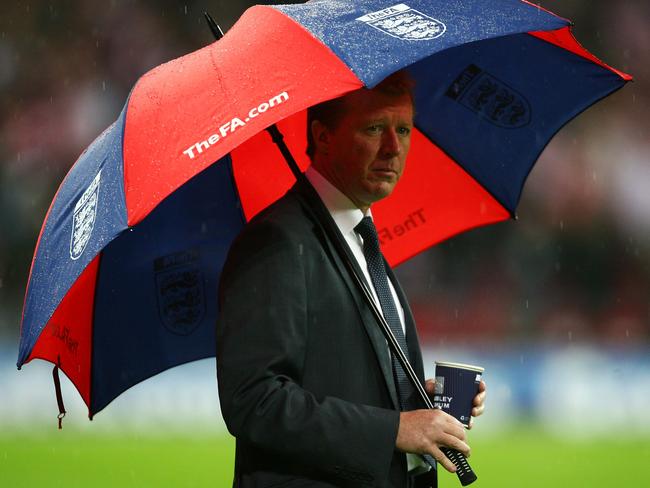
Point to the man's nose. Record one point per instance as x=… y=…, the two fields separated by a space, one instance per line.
x=391 y=145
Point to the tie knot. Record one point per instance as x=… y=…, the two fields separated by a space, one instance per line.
x=366 y=229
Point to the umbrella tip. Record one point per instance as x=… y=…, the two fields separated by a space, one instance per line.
x=214 y=27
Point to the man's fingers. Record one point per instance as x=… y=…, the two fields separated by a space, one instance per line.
x=457 y=431
x=480 y=396
x=479 y=399
x=452 y=443
x=478 y=402
x=426 y=431
x=444 y=416
x=443 y=460
x=457 y=444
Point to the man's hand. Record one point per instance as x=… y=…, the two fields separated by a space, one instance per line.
x=424 y=431
x=478 y=404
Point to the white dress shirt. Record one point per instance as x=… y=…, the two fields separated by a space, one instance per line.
x=347 y=216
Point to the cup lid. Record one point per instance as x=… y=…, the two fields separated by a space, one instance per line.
x=470 y=367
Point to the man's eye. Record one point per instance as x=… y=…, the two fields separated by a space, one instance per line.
x=404 y=131
x=373 y=129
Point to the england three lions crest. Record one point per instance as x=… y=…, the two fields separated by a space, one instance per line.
x=181 y=292
x=83 y=220
x=490 y=98
x=405 y=23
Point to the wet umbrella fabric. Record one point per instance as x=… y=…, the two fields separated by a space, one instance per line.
x=124 y=278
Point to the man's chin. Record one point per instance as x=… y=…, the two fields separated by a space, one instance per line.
x=380 y=190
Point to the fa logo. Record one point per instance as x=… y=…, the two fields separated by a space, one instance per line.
x=83 y=220
x=405 y=23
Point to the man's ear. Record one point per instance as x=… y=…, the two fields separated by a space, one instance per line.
x=321 y=136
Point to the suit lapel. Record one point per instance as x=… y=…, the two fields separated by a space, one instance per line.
x=369 y=322
x=367 y=317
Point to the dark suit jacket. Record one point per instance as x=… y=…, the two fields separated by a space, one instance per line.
x=304 y=373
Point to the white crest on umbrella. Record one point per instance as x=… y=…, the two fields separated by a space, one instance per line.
x=405 y=23
x=83 y=220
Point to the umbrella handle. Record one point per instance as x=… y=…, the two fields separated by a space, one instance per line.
x=464 y=471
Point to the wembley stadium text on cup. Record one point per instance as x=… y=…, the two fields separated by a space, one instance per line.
x=442 y=401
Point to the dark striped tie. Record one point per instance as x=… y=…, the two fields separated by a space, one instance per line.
x=375 y=261
x=366 y=229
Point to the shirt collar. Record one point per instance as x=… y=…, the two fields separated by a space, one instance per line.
x=345 y=213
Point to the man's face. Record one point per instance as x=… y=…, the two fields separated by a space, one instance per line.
x=366 y=152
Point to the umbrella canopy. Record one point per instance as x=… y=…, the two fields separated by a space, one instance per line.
x=124 y=276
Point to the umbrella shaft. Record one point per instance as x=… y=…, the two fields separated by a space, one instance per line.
x=278 y=139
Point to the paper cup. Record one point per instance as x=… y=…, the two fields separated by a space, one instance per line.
x=456 y=387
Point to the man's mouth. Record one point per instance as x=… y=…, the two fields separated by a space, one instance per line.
x=384 y=172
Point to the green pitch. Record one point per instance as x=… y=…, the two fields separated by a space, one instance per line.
x=517 y=458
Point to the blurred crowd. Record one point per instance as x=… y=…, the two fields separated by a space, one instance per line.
x=575 y=266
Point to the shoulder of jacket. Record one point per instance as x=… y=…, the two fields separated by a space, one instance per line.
x=286 y=217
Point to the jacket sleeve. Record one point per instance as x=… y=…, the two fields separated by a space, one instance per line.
x=262 y=334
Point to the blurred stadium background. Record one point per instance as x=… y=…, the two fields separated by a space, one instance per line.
x=555 y=305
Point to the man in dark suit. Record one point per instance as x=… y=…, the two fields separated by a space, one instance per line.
x=306 y=381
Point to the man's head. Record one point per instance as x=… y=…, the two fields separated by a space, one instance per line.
x=359 y=142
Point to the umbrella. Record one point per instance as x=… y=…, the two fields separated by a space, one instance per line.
x=126 y=267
